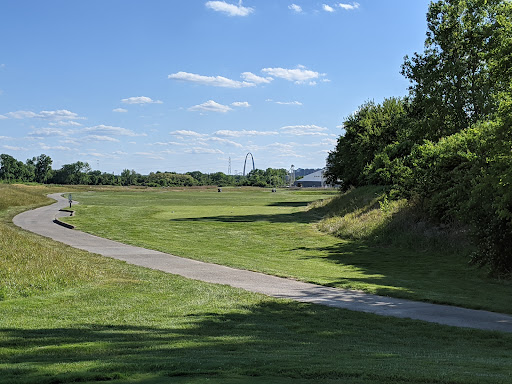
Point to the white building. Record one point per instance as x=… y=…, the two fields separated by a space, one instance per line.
x=315 y=179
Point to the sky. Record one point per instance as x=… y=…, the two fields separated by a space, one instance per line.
x=174 y=85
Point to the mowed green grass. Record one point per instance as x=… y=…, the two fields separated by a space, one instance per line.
x=106 y=321
x=277 y=233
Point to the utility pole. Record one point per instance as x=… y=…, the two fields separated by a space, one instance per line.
x=229 y=167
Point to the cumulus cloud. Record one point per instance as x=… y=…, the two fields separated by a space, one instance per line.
x=210 y=106
x=149 y=155
x=226 y=142
x=120 y=110
x=327 y=8
x=252 y=78
x=140 y=100
x=324 y=142
x=109 y=130
x=295 y=8
x=100 y=138
x=298 y=75
x=201 y=150
x=67 y=123
x=10 y=147
x=243 y=104
x=215 y=81
x=348 y=7
x=48 y=132
x=229 y=9
x=183 y=133
x=61 y=114
x=229 y=133
x=56 y=147
x=288 y=102
x=21 y=115
x=304 y=130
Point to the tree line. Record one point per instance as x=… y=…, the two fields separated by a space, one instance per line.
x=448 y=144
x=39 y=170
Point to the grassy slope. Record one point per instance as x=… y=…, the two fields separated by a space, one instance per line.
x=276 y=233
x=129 y=324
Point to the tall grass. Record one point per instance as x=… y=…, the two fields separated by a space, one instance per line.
x=367 y=214
x=30 y=264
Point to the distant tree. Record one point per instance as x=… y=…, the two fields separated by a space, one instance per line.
x=42 y=167
x=14 y=170
x=75 y=173
x=129 y=177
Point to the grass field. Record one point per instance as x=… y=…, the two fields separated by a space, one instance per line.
x=105 y=321
x=278 y=233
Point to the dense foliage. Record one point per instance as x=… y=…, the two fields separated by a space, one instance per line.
x=448 y=144
x=38 y=169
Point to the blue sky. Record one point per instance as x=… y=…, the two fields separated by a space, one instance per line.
x=187 y=85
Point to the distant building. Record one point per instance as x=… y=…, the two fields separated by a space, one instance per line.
x=313 y=180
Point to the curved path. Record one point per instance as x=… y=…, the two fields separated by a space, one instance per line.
x=41 y=221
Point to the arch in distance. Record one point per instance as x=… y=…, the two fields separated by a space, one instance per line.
x=245 y=162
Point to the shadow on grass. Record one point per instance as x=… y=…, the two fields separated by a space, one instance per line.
x=309 y=216
x=288 y=204
x=296 y=341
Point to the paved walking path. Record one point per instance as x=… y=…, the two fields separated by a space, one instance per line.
x=41 y=221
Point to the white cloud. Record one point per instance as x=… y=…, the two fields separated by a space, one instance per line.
x=324 y=142
x=3 y=117
x=228 y=133
x=21 y=115
x=299 y=75
x=187 y=133
x=304 y=130
x=57 y=147
x=226 y=141
x=100 y=138
x=229 y=9
x=288 y=102
x=210 y=106
x=119 y=153
x=199 y=150
x=48 y=132
x=109 y=130
x=243 y=104
x=140 y=100
x=348 y=7
x=61 y=114
x=149 y=155
x=327 y=8
x=252 y=78
x=101 y=155
x=120 y=110
x=214 y=81
x=295 y=8
x=69 y=123
x=10 y=147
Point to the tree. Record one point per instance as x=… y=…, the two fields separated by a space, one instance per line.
x=14 y=170
x=42 y=168
x=367 y=132
x=75 y=173
x=453 y=86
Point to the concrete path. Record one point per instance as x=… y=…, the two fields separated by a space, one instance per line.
x=41 y=221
